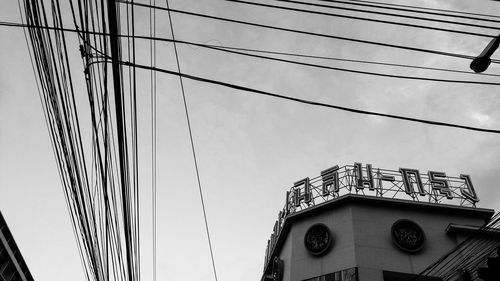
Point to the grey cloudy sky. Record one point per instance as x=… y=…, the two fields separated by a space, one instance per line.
x=250 y=148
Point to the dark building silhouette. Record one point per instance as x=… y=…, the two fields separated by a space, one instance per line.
x=12 y=265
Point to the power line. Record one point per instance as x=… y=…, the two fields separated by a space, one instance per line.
x=362 y=18
x=424 y=10
x=11 y=24
x=152 y=32
x=99 y=227
x=52 y=141
x=406 y=16
x=192 y=143
x=335 y=58
x=306 y=32
x=135 y=217
x=259 y=25
x=228 y=49
x=53 y=82
x=304 y=101
x=361 y=71
x=235 y=50
x=115 y=48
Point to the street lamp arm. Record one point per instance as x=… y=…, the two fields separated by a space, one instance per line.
x=481 y=62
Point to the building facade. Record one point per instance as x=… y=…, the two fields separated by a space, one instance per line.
x=12 y=264
x=359 y=224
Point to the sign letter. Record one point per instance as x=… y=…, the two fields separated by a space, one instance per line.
x=360 y=180
x=297 y=197
x=438 y=182
x=406 y=174
x=330 y=179
x=468 y=191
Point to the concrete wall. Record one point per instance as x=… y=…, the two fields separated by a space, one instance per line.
x=341 y=255
x=375 y=251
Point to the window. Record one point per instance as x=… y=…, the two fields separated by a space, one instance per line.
x=350 y=274
x=399 y=276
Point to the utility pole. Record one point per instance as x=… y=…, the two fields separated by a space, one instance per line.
x=121 y=129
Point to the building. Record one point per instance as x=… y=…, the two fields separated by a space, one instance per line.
x=360 y=224
x=12 y=265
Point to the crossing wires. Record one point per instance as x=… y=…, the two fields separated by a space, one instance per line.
x=95 y=146
x=373 y=19
x=192 y=144
x=101 y=180
x=310 y=33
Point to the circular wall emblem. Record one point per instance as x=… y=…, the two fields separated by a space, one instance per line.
x=408 y=236
x=318 y=239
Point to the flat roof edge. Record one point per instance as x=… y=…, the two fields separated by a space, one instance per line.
x=470 y=229
x=349 y=198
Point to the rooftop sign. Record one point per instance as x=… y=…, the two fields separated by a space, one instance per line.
x=433 y=187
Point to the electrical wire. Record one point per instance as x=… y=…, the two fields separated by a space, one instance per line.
x=333 y=58
x=103 y=199
x=306 y=32
x=390 y=5
x=406 y=16
x=46 y=118
x=309 y=102
x=353 y=70
x=284 y=53
x=454 y=55
x=101 y=227
x=236 y=50
x=152 y=49
x=364 y=18
x=192 y=144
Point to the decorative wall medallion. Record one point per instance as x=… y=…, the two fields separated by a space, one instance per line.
x=318 y=239
x=408 y=236
x=277 y=269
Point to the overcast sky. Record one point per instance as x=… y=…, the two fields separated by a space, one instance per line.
x=250 y=148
